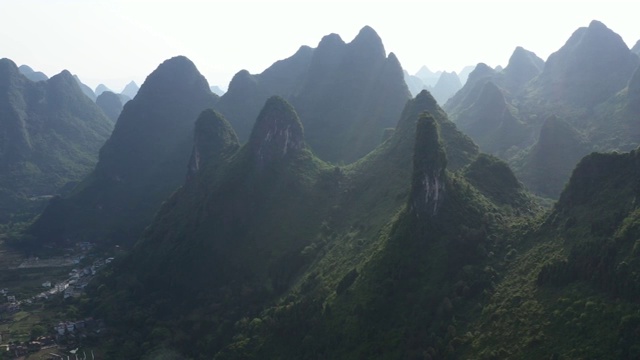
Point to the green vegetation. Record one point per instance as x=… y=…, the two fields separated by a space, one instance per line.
x=345 y=94
x=50 y=134
x=587 y=87
x=140 y=165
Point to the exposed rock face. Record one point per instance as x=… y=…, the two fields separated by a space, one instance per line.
x=277 y=132
x=429 y=165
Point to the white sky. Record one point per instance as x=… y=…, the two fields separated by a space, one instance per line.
x=116 y=41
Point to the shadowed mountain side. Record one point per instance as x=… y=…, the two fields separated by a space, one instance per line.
x=579 y=266
x=111 y=104
x=345 y=94
x=490 y=122
x=247 y=93
x=261 y=218
x=50 y=134
x=547 y=166
x=140 y=165
x=592 y=66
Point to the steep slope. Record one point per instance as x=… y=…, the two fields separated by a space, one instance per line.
x=489 y=120
x=270 y=228
x=130 y=90
x=428 y=77
x=111 y=104
x=414 y=83
x=247 y=93
x=50 y=134
x=345 y=94
x=140 y=165
x=31 y=74
x=85 y=89
x=394 y=303
x=100 y=89
x=636 y=48
x=523 y=66
x=592 y=66
x=547 y=166
x=573 y=289
x=464 y=73
x=448 y=84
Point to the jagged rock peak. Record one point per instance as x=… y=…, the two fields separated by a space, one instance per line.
x=213 y=137
x=429 y=166
x=276 y=133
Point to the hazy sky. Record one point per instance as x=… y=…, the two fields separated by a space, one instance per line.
x=116 y=41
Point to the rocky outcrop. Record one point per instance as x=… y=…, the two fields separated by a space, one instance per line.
x=276 y=134
x=429 y=165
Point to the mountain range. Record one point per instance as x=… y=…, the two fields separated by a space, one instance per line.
x=51 y=133
x=317 y=211
x=585 y=85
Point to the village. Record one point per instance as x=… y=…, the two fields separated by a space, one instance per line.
x=59 y=339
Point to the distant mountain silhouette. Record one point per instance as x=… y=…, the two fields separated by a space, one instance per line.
x=50 y=135
x=216 y=90
x=448 y=84
x=85 y=89
x=428 y=77
x=345 y=94
x=523 y=66
x=592 y=66
x=464 y=73
x=100 y=89
x=636 y=48
x=32 y=74
x=130 y=90
x=111 y=104
x=414 y=83
x=143 y=161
